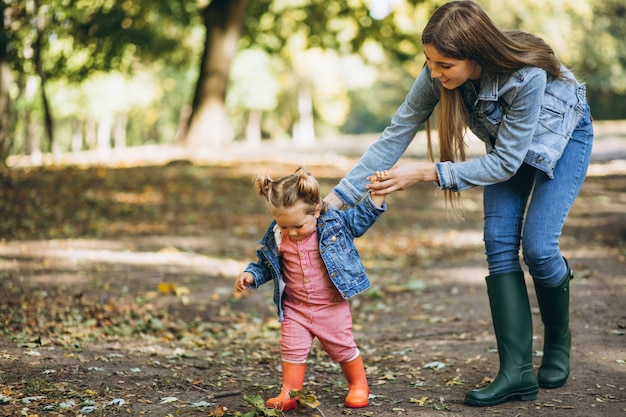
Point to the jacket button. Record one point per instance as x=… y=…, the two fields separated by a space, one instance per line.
x=334 y=238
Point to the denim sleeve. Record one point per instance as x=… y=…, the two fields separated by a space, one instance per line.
x=362 y=216
x=387 y=150
x=515 y=133
x=261 y=273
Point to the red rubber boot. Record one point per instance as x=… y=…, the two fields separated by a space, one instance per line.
x=358 y=391
x=293 y=379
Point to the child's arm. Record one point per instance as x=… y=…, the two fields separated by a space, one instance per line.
x=244 y=280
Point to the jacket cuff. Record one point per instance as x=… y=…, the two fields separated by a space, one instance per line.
x=346 y=193
x=446 y=176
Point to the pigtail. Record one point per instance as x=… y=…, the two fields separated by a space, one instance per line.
x=286 y=191
x=309 y=189
x=263 y=185
x=306 y=186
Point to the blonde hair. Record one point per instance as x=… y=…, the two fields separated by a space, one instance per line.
x=462 y=30
x=290 y=189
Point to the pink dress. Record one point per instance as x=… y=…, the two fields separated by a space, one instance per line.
x=312 y=305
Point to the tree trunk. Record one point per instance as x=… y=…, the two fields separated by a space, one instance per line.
x=304 y=129
x=208 y=125
x=38 y=47
x=253 y=128
x=105 y=124
x=5 y=97
x=119 y=132
x=91 y=137
x=77 y=135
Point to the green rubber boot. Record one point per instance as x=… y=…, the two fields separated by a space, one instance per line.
x=512 y=323
x=557 y=338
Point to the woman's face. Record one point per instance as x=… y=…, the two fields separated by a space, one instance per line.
x=451 y=72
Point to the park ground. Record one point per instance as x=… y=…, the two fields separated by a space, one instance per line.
x=116 y=294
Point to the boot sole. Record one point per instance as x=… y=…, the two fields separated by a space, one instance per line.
x=357 y=404
x=510 y=397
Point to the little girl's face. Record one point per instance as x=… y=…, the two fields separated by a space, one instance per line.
x=296 y=221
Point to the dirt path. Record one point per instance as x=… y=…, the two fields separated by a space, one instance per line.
x=118 y=298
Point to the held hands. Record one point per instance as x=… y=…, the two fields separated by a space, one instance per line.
x=244 y=280
x=401 y=177
x=378 y=199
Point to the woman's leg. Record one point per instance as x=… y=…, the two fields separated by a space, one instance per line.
x=549 y=206
x=504 y=206
x=512 y=324
x=548 y=209
x=508 y=299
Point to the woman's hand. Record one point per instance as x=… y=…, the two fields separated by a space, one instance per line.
x=333 y=200
x=402 y=177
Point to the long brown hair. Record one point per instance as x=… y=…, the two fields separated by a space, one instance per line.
x=462 y=30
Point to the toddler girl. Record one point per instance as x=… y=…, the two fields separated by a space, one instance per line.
x=309 y=253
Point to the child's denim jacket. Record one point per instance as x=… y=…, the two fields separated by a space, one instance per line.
x=525 y=116
x=336 y=231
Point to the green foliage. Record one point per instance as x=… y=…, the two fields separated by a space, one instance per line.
x=587 y=36
x=356 y=61
x=81 y=37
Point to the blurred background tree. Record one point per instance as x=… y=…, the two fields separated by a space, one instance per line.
x=104 y=74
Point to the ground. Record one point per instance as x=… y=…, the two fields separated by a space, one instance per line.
x=116 y=298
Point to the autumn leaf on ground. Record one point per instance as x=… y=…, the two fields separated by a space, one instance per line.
x=434 y=365
x=166 y=400
x=486 y=380
x=258 y=403
x=117 y=401
x=166 y=288
x=419 y=402
x=219 y=411
x=455 y=380
x=307 y=397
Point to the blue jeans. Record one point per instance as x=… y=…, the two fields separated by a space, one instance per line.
x=511 y=219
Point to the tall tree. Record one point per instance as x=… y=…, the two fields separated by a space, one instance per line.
x=271 y=25
x=208 y=123
x=5 y=97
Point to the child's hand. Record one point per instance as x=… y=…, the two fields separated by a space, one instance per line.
x=378 y=176
x=244 y=280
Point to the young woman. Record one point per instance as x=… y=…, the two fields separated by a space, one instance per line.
x=531 y=113
x=309 y=253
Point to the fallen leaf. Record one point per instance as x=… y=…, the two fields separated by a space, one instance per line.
x=166 y=400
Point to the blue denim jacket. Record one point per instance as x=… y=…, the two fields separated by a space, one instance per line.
x=525 y=116
x=336 y=231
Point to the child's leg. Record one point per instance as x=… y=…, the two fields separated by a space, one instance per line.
x=334 y=331
x=295 y=344
x=358 y=391
x=293 y=379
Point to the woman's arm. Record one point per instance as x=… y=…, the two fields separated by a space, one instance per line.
x=387 y=150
